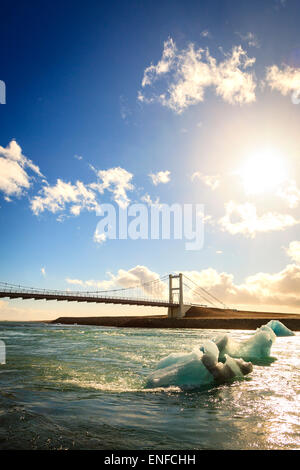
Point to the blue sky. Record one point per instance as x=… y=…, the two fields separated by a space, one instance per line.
x=89 y=90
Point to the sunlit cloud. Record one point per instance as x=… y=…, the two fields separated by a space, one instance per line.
x=116 y=180
x=163 y=66
x=290 y=193
x=286 y=80
x=190 y=71
x=99 y=237
x=213 y=181
x=76 y=282
x=293 y=251
x=80 y=196
x=243 y=219
x=55 y=198
x=147 y=199
x=14 y=178
x=133 y=277
x=261 y=289
x=161 y=177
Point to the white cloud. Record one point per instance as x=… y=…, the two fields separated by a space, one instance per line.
x=126 y=279
x=190 y=71
x=80 y=196
x=163 y=66
x=285 y=80
x=249 y=223
x=279 y=289
x=290 y=193
x=43 y=271
x=259 y=290
x=76 y=282
x=147 y=199
x=293 y=251
x=116 y=180
x=213 y=181
x=55 y=198
x=14 y=179
x=78 y=157
x=160 y=177
x=99 y=237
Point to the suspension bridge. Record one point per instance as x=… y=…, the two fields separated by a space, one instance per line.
x=177 y=292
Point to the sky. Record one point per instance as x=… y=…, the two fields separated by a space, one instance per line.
x=143 y=102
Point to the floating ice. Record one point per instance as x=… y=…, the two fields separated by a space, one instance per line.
x=232 y=368
x=258 y=346
x=196 y=369
x=201 y=367
x=279 y=328
x=269 y=330
x=210 y=348
x=182 y=370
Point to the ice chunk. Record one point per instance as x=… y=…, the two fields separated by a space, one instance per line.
x=210 y=348
x=196 y=369
x=269 y=330
x=184 y=371
x=279 y=328
x=258 y=346
x=174 y=358
x=232 y=368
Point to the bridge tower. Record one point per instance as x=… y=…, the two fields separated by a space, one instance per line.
x=177 y=289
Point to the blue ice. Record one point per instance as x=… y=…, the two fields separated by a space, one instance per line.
x=279 y=328
x=196 y=369
x=257 y=346
x=217 y=361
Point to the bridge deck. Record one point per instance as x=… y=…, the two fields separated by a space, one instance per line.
x=78 y=297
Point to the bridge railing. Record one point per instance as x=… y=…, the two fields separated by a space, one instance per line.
x=151 y=291
x=109 y=295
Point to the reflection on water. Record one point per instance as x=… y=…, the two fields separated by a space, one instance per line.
x=83 y=387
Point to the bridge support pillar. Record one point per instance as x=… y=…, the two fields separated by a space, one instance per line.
x=177 y=312
x=180 y=310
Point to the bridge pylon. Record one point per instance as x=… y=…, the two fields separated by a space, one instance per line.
x=180 y=310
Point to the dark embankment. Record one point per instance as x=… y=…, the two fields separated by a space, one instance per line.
x=196 y=318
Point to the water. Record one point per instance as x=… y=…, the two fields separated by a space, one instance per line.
x=82 y=387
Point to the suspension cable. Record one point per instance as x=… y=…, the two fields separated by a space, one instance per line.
x=208 y=293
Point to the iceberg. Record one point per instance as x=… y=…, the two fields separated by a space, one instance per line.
x=197 y=369
x=210 y=348
x=218 y=361
x=258 y=346
x=279 y=328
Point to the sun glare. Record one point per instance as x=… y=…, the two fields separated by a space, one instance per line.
x=263 y=171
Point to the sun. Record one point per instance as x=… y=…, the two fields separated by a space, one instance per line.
x=263 y=171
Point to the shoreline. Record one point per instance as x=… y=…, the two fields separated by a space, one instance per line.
x=237 y=322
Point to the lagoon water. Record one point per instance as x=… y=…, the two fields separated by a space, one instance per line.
x=83 y=387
